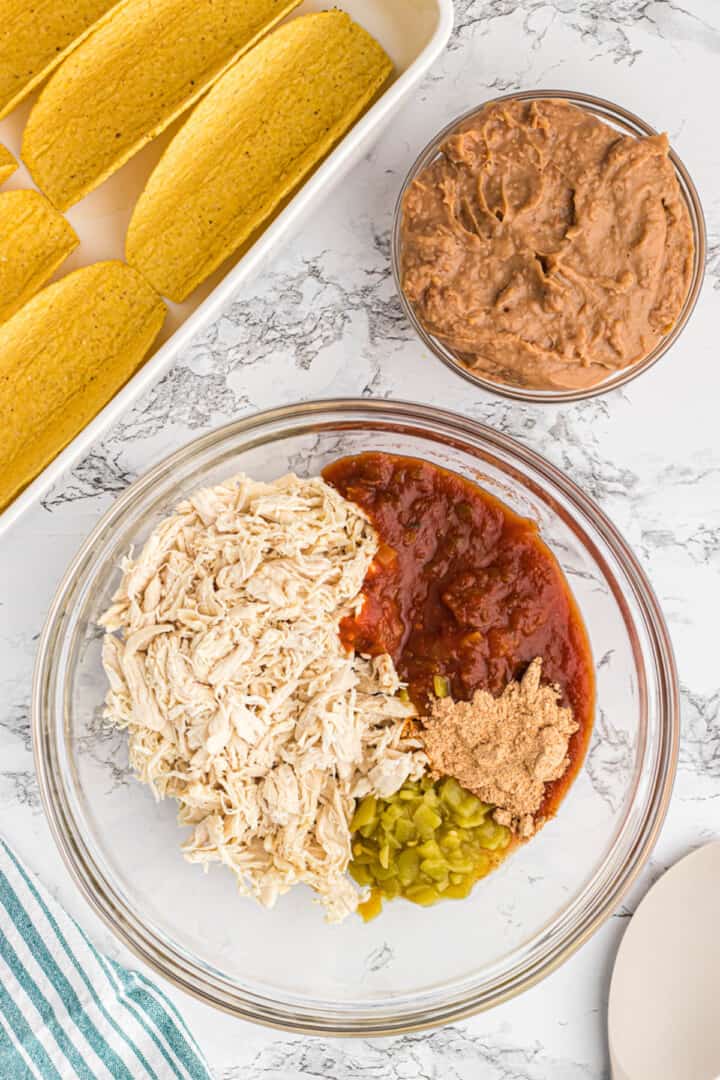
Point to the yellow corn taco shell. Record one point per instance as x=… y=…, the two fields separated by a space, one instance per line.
x=261 y=129
x=8 y=164
x=62 y=357
x=34 y=38
x=34 y=240
x=133 y=75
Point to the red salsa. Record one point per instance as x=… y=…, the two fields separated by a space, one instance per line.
x=463 y=587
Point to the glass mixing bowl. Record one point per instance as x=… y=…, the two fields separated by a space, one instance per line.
x=626 y=122
x=412 y=967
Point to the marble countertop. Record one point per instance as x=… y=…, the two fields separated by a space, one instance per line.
x=323 y=320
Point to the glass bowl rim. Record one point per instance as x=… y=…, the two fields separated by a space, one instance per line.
x=628 y=121
x=166 y=959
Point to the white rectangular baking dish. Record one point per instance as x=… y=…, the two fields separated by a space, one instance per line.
x=414 y=33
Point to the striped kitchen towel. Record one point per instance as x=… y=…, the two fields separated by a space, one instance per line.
x=66 y=1011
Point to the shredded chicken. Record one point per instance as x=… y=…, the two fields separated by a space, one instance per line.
x=239 y=698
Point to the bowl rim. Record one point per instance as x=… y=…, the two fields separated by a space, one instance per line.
x=166 y=960
x=618 y=116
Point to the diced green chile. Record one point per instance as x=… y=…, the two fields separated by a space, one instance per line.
x=365 y=812
x=430 y=841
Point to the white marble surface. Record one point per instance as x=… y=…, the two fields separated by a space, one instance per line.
x=323 y=320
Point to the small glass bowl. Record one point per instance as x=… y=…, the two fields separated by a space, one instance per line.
x=411 y=967
x=625 y=121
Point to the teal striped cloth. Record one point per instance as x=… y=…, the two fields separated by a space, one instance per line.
x=66 y=1011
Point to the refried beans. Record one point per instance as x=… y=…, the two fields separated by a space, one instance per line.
x=544 y=248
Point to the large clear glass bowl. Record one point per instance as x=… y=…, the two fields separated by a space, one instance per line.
x=627 y=123
x=412 y=967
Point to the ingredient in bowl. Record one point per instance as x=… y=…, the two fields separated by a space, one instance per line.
x=463 y=589
x=62 y=357
x=36 y=37
x=545 y=248
x=240 y=700
x=251 y=652
x=34 y=241
x=505 y=749
x=430 y=841
x=8 y=164
x=139 y=69
x=248 y=145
